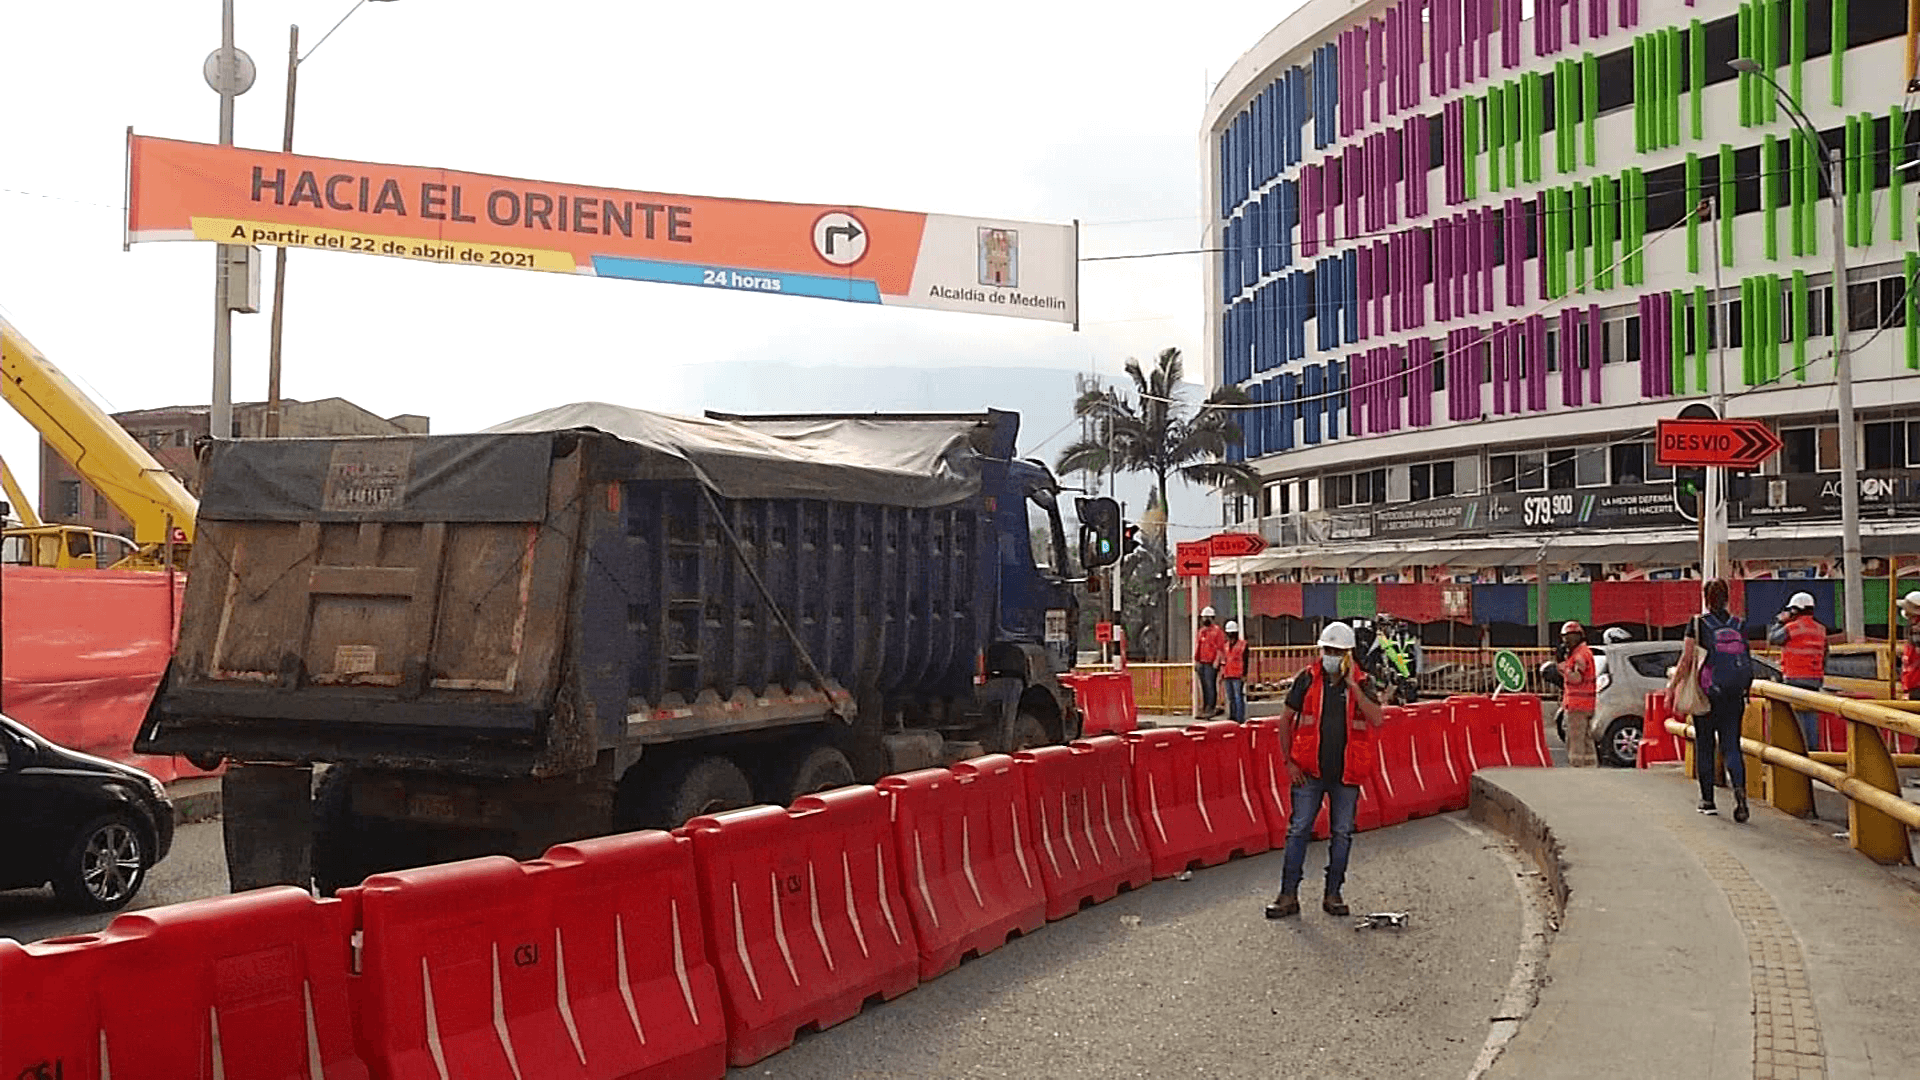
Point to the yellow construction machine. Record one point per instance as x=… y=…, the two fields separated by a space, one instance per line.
x=106 y=457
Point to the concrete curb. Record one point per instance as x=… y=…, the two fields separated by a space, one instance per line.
x=195 y=800
x=1502 y=811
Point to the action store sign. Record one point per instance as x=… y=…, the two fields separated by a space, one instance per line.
x=233 y=195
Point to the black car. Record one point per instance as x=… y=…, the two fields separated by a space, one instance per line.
x=91 y=827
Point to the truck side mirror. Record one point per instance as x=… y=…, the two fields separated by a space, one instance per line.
x=1099 y=532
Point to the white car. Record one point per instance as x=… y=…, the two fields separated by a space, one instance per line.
x=1626 y=672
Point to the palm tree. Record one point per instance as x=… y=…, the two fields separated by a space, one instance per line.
x=1153 y=432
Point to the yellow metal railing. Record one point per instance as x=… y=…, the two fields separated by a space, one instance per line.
x=1168 y=688
x=1868 y=774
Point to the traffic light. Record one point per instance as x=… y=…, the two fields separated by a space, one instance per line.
x=1689 y=492
x=1129 y=539
x=1099 y=532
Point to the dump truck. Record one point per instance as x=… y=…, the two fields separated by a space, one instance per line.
x=592 y=619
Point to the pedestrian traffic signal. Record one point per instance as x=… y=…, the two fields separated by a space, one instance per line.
x=1129 y=539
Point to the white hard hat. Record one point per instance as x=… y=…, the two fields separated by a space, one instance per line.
x=1615 y=635
x=1233 y=627
x=1207 y=612
x=1337 y=635
x=1801 y=600
x=1911 y=603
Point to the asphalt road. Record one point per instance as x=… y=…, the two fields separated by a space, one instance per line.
x=1190 y=979
x=195 y=868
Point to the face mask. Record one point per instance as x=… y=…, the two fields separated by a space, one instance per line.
x=1331 y=664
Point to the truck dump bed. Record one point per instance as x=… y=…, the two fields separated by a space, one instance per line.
x=515 y=601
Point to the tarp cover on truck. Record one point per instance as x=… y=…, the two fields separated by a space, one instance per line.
x=500 y=474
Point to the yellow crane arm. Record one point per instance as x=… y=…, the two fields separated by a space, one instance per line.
x=22 y=509
x=99 y=450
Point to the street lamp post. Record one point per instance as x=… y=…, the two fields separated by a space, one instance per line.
x=230 y=73
x=294 y=59
x=1855 y=618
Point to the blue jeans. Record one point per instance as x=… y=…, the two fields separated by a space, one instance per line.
x=1209 y=676
x=1342 y=800
x=1809 y=720
x=1719 y=729
x=1236 y=699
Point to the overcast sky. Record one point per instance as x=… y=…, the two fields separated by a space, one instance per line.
x=1046 y=111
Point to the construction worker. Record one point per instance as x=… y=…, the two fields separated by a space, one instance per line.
x=1206 y=663
x=1909 y=657
x=1327 y=726
x=1233 y=673
x=1803 y=657
x=1579 y=677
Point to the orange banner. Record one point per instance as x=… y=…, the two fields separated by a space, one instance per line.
x=232 y=195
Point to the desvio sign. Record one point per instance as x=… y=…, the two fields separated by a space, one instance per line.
x=1729 y=444
x=233 y=195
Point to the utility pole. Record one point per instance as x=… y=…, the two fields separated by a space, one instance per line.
x=280 y=253
x=220 y=416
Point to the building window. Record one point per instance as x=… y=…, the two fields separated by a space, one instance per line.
x=1590 y=467
x=1629 y=461
x=69 y=501
x=1797 y=453
x=1419 y=482
x=1443 y=477
x=1829 y=450
x=1883 y=446
x=99 y=505
x=1342 y=494
x=1501 y=473
x=1560 y=469
x=1893 y=300
x=1863 y=306
x=179 y=436
x=1913 y=442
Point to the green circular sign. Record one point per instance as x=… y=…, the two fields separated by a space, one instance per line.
x=1508 y=671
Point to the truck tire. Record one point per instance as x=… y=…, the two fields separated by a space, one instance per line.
x=1028 y=732
x=342 y=850
x=687 y=788
x=820 y=768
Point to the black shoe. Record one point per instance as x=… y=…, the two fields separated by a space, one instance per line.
x=1740 y=808
x=1333 y=905
x=1284 y=905
x=1706 y=807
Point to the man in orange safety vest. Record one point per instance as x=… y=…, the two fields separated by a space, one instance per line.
x=1909 y=658
x=1580 y=679
x=1803 y=657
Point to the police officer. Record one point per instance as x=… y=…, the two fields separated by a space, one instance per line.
x=1803 y=657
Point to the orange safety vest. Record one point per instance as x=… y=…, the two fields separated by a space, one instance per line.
x=1804 y=656
x=1579 y=695
x=1233 y=659
x=1306 y=735
x=1909 y=666
x=1206 y=648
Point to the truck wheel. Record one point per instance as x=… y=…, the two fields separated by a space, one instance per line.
x=686 y=789
x=341 y=850
x=1029 y=732
x=821 y=768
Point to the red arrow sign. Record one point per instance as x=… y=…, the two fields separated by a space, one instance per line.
x=1730 y=444
x=1232 y=545
x=1193 y=559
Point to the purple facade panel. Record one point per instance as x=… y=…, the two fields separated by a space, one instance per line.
x=1573 y=21
x=1309 y=210
x=1569 y=360
x=1596 y=343
x=1516 y=248
x=1519 y=365
x=1540 y=242
x=1499 y=369
x=1597 y=17
x=1455 y=381
x=1391 y=166
x=1334 y=178
x=1376 y=69
x=1357 y=405
x=1462 y=269
x=1648 y=388
x=1537 y=388
x=1362 y=289
x=1469 y=39
x=1382 y=285
x=1442 y=267
x=1396 y=272
x=1489 y=242
x=1392 y=48
x=1353 y=175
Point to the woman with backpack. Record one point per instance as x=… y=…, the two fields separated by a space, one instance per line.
x=1726 y=673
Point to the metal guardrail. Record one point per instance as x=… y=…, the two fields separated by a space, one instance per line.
x=1869 y=776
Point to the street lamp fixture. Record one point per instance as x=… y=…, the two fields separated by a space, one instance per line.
x=1855 y=619
x=271 y=427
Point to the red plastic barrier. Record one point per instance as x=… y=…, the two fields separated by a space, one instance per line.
x=247 y=987
x=1657 y=744
x=1175 y=809
x=1439 y=754
x=964 y=840
x=1227 y=788
x=83 y=668
x=806 y=914
x=1088 y=837
x=1523 y=732
x=1273 y=783
x=1477 y=724
x=591 y=962
x=1106 y=702
x=1395 y=787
